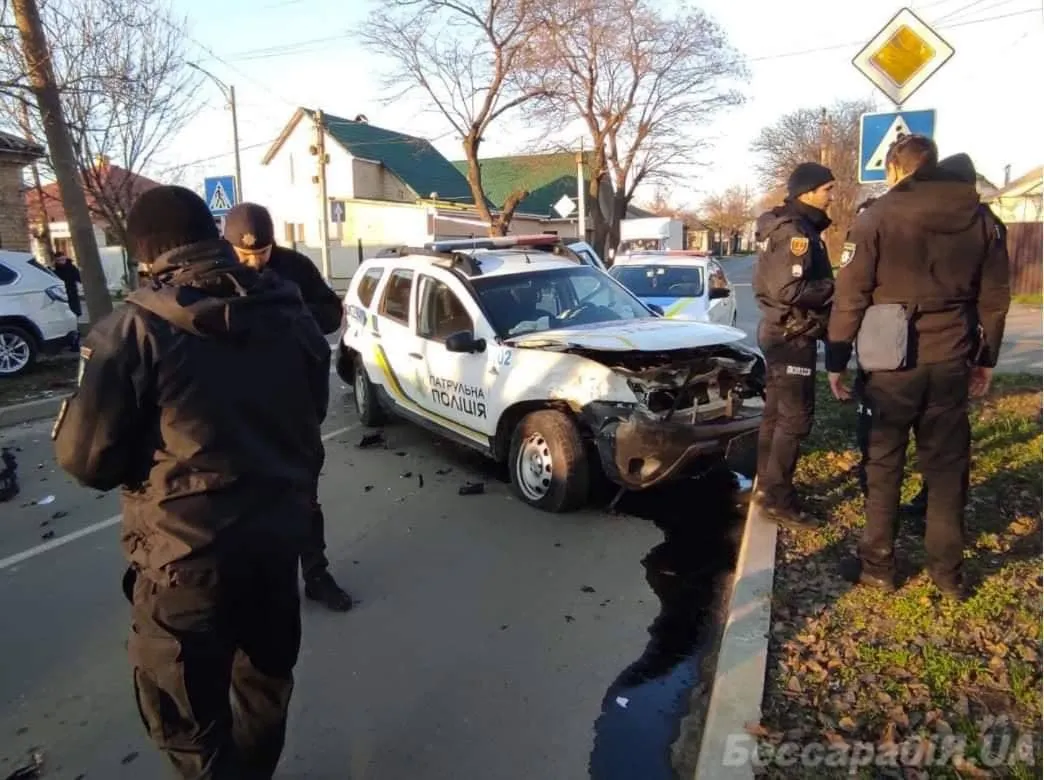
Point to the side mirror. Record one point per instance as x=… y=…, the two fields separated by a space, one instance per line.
x=465 y=341
x=658 y=310
x=719 y=292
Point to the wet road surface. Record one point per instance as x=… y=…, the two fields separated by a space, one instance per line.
x=492 y=641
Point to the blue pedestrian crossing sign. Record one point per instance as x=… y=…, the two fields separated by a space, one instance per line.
x=220 y=194
x=877 y=132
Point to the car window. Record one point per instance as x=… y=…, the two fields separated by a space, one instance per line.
x=396 y=301
x=6 y=275
x=557 y=298
x=660 y=281
x=368 y=286
x=440 y=312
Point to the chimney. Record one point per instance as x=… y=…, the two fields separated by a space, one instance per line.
x=1007 y=175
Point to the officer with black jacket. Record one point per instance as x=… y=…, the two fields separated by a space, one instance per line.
x=217 y=456
x=793 y=284
x=248 y=227
x=923 y=273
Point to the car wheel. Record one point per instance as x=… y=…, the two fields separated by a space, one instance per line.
x=17 y=350
x=367 y=406
x=549 y=468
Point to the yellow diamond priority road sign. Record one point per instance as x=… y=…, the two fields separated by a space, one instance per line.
x=904 y=55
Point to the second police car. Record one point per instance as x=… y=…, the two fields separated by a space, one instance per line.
x=519 y=349
x=686 y=285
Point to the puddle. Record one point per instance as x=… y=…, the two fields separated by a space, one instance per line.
x=643 y=708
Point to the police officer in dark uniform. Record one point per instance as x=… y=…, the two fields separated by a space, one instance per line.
x=925 y=267
x=248 y=227
x=217 y=456
x=793 y=284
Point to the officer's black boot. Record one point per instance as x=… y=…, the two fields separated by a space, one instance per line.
x=852 y=570
x=322 y=587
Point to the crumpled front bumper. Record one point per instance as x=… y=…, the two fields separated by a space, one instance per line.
x=639 y=450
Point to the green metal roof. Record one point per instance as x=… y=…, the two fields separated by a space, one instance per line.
x=414 y=160
x=547 y=177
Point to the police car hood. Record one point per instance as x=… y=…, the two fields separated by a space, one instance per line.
x=202 y=289
x=654 y=334
x=937 y=200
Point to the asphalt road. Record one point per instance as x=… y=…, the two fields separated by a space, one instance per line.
x=1021 y=352
x=487 y=637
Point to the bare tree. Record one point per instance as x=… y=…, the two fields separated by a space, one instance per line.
x=463 y=56
x=804 y=136
x=728 y=213
x=126 y=92
x=642 y=79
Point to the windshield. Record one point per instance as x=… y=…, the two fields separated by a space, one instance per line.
x=557 y=298
x=660 y=281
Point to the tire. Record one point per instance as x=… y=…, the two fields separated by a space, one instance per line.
x=18 y=351
x=548 y=466
x=367 y=405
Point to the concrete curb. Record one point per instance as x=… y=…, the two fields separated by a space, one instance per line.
x=30 y=410
x=739 y=678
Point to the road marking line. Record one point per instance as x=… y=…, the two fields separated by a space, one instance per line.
x=32 y=552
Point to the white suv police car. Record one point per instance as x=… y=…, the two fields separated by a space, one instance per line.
x=517 y=348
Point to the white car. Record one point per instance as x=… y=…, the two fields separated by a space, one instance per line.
x=684 y=285
x=522 y=351
x=34 y=313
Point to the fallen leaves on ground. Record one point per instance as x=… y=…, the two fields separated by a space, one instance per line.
x=48 y=378
x=911 y=672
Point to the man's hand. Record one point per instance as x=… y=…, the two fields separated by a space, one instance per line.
x=979 y=381
x=838 y=386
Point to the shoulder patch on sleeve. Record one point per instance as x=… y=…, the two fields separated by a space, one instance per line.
x=797 y=271
x=847 y=254
x=798 y=246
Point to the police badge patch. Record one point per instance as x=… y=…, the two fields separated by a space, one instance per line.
x=798 y=246
x=847 y=254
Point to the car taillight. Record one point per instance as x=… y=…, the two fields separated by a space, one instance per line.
x=57 y=293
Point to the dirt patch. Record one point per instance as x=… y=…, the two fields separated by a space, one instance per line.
x=907 y=678
x=49 y=377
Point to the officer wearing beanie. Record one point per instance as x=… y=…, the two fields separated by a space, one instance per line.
x=248 y=227
x=794 y=286
x=922 y=295
x=216 y=455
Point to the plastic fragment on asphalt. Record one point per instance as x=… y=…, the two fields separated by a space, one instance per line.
x=472 y=488
x=371 y=440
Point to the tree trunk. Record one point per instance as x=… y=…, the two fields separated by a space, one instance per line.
x=63 y=159
x=620 y=202
x=471 y=147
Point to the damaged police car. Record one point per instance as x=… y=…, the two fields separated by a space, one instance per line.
x=517 y=348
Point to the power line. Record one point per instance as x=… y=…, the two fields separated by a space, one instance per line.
x=302 y=47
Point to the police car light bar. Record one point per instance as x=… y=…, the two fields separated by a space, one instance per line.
x=499 y=242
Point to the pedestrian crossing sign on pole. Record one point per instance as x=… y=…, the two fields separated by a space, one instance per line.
x=877 y=132
x=220 y=194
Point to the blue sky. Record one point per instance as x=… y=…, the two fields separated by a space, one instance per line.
x=286 y=53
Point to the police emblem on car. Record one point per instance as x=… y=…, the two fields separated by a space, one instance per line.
x=847 y=254
x=798 y=245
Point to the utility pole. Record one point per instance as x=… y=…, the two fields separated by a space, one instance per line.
x=229 y=93
x=824 y=129
x=581 y=204
x=324 y=204
x=63 y=159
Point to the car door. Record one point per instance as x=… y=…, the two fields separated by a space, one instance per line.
x=396 y=346
x=721 y=302
x=460 y=385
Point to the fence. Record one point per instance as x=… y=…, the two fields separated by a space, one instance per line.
x=1026 y=254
